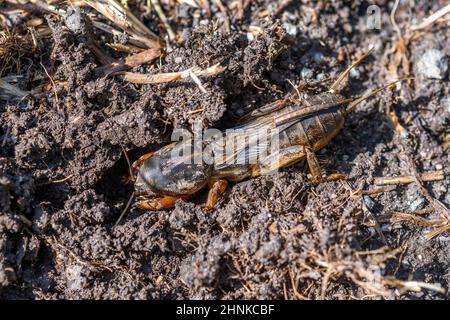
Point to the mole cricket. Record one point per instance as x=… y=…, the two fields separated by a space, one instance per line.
x=300 y=125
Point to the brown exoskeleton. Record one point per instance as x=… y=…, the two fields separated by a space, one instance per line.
x=302 y=126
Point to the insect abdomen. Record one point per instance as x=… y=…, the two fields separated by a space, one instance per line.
x=317 y=129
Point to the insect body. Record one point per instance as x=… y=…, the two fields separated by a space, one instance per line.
x=298 y=126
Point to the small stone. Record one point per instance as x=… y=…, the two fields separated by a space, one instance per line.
x=439 y=167
x=417 y=204
x=320 y=77
x=370 y=204
x=448 y=198
x=355 y=73
x=345 y=157
x=74 y=20
x=318 y=56
x=306 y=73
x=404 y=134
x=433 y=64
x=74 y=277
x=290 y=29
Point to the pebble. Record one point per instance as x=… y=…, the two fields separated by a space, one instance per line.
x=404 y=134
x=439 y=167
x=320 y=77
x=370 y=204
x=433 y=64
x=290 y=28
x=307 y=73
x=345 y=157
x=355 y=73
x=446 y=102
x=318 y=56
x=74 y=20
x=417 y=204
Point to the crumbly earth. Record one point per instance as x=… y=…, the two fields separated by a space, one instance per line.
x=64 y=177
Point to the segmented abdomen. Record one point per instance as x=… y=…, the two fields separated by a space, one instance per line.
x=317 y=129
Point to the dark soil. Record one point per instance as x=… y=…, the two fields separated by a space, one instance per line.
x=64 y=179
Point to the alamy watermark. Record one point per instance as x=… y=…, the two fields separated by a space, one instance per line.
x=373 y=17
x=244 y=145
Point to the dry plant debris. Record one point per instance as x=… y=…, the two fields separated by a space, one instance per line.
x=86 y=87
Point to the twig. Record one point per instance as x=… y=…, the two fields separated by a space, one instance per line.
x=172 y=76
x=124 y=48
x=378 y=190
x=205 y=6
x=392 y=16
x=196 y=111
x=400 y=216
x=436 y=204
x=224 y=12
x=164 y=20
x=427 y=176
x=375 y=222
x=55 y=181
x=124 y=19
x=417 y=285
x=438 y=231
x=431 y=19
x=53 y=85
x=131 y=61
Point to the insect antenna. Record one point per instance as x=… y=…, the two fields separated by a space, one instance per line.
x=133 y=178
x=335 y=87
x=127 y=206
x=352 y=105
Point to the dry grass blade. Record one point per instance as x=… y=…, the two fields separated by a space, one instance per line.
x=173 y=76
x=12 y=47
x=123 y=18
x=371 y=281
x=416 y=286
x=431 y=19
x=132 y=61
x=400 y=216
x=223 y=9
x=438 y=231
x=427 y=177
x=160 y=12
x=124 y=48
x=435 y=203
